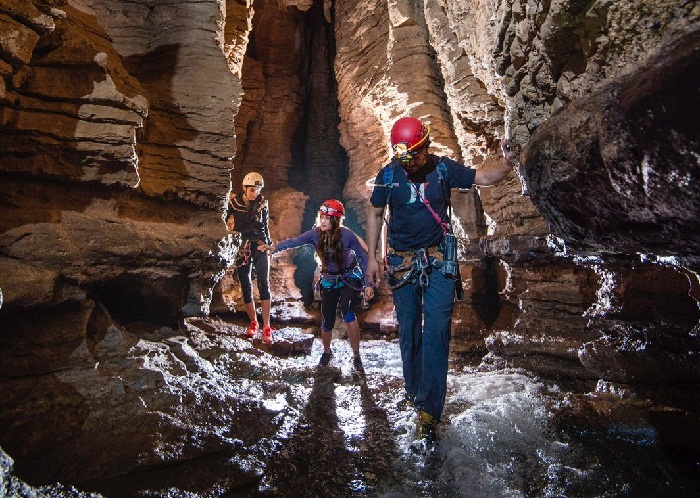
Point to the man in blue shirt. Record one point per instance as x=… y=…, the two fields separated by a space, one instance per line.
x=415 y=187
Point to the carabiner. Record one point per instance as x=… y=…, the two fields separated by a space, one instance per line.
x=424 y=279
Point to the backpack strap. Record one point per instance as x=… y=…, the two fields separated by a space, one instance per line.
x=389 y=175
x=443 y=176
x=388 y=185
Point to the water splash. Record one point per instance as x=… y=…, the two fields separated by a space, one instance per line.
x=606 y=298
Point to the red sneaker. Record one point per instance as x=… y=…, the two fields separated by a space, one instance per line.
x=252 y=329
x=267 y=335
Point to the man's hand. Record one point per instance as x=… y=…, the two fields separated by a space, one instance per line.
x=373 y=271
x=368 y=293
x=495 y=169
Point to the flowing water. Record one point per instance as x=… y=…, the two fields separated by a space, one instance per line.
x=498 y=439
x=505 y=433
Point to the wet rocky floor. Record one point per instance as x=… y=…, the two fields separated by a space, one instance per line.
x=211 y=413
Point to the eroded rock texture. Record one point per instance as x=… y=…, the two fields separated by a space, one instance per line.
x=114 y=171
x=125 y=124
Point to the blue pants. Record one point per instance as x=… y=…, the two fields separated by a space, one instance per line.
x=425 y=319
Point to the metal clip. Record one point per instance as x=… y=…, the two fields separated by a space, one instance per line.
x=423 y=279
x=422 y=264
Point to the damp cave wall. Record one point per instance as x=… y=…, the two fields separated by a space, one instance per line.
x=125 y=125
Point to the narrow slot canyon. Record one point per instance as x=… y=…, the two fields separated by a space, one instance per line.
x=125 y=127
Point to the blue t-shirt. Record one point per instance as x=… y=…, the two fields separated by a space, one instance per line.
x=411 y=224
x=352 y=250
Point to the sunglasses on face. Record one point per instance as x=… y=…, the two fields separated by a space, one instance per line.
x=404 y=154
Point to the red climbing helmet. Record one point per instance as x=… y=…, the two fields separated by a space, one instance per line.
x=332 y=208
x=408 y=136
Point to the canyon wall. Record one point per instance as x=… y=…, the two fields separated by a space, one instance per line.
x=125 y=125
x=116 y=152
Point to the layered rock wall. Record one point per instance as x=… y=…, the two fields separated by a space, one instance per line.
x=116 y=145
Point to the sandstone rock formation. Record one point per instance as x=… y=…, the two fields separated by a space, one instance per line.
x=125 y=125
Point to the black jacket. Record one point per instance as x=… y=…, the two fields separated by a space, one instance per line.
x=251 y=221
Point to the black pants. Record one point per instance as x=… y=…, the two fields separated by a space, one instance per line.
x=261 y=262
x=346 y=296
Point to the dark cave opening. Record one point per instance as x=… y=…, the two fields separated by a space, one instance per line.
x=319 y=165
x=485 y=296
x=133 y=299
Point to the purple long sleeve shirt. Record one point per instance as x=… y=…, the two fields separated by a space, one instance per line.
x=352 y=249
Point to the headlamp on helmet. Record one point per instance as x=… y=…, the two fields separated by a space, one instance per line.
x=332 y=208
x=408 y=137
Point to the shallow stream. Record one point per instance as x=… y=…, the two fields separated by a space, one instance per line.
x=501 y=437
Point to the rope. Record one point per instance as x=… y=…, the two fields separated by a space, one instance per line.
x=437 y=218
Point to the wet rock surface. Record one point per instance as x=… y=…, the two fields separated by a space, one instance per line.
x=124 y=126
x=624 y=152
x=204 y=411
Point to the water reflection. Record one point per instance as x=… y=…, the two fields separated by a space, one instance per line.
x=279 y=426
x=498 y=439
x=343 y=443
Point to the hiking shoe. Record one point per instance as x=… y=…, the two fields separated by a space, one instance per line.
x=357 y=364
x=427 y=427
x=267 y=335
x=252 y=329
x=325 y=359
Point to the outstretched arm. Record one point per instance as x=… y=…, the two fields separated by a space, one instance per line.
x=495 y=170
x=308 y=237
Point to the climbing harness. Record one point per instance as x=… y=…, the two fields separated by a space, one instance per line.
x=413 y=264
x=418 y=263
x=245 y=252
x=342 y=277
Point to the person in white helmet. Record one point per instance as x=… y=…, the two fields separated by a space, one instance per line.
x=248 y=214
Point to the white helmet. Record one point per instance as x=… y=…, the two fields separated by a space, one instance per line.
x=253 y=179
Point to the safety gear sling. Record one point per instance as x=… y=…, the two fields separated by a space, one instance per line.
x=418 y=262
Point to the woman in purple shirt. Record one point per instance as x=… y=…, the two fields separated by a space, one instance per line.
x=343 y=261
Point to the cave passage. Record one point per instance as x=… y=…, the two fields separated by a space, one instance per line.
x=290 y=97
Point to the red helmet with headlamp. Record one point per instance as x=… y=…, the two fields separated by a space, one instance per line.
x=408 y=137
x=332 y=208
